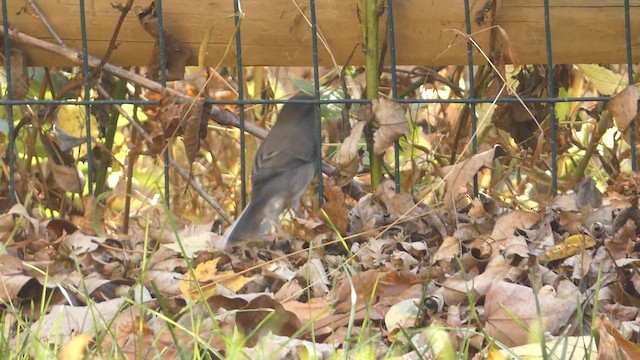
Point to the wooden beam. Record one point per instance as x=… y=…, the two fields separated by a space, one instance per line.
x=276 y=32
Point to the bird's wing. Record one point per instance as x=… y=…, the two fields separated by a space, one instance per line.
x=270 y=164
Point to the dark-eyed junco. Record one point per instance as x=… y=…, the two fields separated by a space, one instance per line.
x=283 y=167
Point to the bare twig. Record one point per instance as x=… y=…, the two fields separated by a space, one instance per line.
x=46 y=22
x=124 y=10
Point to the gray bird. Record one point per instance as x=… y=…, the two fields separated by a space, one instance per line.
x=283 y=167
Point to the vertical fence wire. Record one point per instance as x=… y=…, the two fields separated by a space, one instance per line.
x=243 y=163
x=632 y=125
x=86 y=74
x=552 y=94
x=163 y=81
x=394 y=86
x=472 y=91
x=316 y=85
x=472 y=99
x=12 y=137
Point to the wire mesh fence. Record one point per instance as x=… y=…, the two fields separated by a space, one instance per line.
x=468 y=97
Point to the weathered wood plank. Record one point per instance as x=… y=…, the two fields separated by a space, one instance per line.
x=274 y=32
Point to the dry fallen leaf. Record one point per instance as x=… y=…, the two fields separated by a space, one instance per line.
x=508 y=306
x=335 y=206
x=507 y=224
x=449 y=248
x=348 y=152
x=75 y=349
x=571 y=246
x=366 y=215
x=457 y=176
x=207 y=276
x=67 y=321
x=392 y=124
x=192 y=128
x=177 y=53
x=68 y=178
x=624 y=107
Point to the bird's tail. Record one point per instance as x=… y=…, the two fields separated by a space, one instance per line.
x=250 y=225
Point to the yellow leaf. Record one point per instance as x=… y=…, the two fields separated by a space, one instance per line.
x=72 y=121
x=606 y=81
x=233 y=281
x=569 y=247
x=207 y=276
x=75 y=348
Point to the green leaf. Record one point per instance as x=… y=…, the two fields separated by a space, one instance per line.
x=606 y=81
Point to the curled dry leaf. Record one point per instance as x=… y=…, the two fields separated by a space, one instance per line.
x=621 y=345
x=315 y=308
x=280 y=270
x=400 y=206
x=335 y=206
x=15 y=220
x=402 y=315
x=14 y=281
x=515 y=248
x=571 y=246
x=390 y=287
x=68 y=178
x=264 y=314
x=314 y=270
x=177 y=53
x=508 y=306
x=449 y=248
x=70 y=126
x=348 y=158
x=167 y=114
x=459 y=286
x=624 y=107
x=282 y=347
x=66 y=321
x=289 y=290
x=207 y=276
x=459 y=175
x=507 y=224
x=193 y=130
x=392 y=124
x=366 y=215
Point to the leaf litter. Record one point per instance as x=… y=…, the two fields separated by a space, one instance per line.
x=521 y=273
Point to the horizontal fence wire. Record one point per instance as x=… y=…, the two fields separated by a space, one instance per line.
x=320 y=101
x=471 y=100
